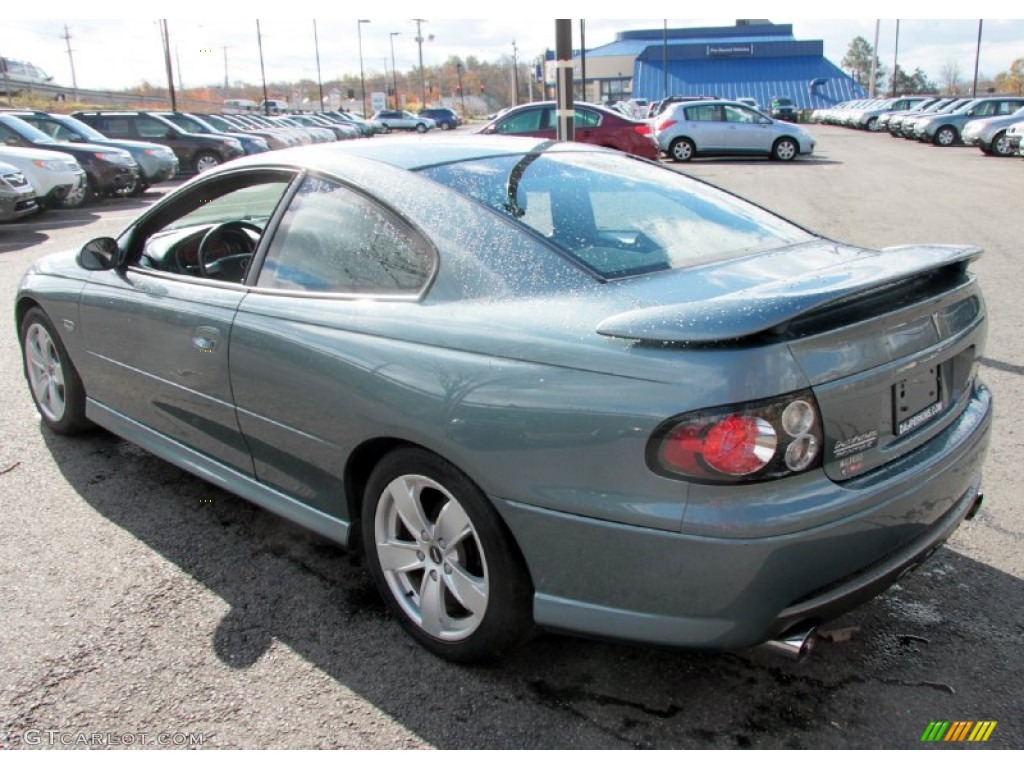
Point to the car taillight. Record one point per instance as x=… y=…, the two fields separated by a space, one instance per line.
x=665 y=124
x=740 y=443
x=643 y=129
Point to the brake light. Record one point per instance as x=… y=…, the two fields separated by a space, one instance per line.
x=741 y=443
x=665 y=124
x=643 y=129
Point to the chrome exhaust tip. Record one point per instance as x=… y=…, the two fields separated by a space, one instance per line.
x=796 y=647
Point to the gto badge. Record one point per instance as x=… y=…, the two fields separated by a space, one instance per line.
x=855 y=444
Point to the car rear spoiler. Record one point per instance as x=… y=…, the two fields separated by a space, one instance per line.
x=775 y=304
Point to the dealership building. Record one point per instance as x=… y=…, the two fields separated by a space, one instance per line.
x=755 y=59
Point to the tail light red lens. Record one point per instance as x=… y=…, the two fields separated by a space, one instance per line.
x=665 y=124
x=742 y=443
x=643 y=129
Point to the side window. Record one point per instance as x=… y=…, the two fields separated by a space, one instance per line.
x=527 y=121
x=333 y=240
x=585 y=118
x=737 y=115
x=703 y=113
x=151 y=129
x=115 y=127
x=212 y=232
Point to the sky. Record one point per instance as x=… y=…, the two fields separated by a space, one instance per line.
x=116 y=47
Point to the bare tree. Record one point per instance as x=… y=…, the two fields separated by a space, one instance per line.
x=952 y=77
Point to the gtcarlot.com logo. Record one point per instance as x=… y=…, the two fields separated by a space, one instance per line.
x=958 y=730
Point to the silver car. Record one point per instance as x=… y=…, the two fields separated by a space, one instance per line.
x=400 y=120
x=990 y=134
x=692 y=129
x=17 y=197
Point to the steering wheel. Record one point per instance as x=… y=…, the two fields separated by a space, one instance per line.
x=233 y=266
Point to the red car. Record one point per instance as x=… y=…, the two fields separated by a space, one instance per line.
x=593 y=125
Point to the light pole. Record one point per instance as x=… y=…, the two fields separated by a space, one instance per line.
x=423 y=77
x=394 y=72
x=319 y=79
x=263 y=72
x=462 y=94
x=362 y=79
x=515 y=75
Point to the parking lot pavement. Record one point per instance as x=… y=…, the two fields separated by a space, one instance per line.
x=139 y=600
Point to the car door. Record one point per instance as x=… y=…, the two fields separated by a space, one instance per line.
x=705 y=125
x=744 y=130
x=308 y=360
x=157 y=331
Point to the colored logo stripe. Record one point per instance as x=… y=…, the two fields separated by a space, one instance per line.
x=959 y=730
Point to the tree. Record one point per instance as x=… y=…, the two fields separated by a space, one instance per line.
x=858 y=62
x=952 y=77
x=1012 y=81
x=915 y=83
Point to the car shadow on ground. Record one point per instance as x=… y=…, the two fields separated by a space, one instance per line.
x=946 y=643
x=744 y=160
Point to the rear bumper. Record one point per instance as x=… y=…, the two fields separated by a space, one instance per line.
x=607 y=579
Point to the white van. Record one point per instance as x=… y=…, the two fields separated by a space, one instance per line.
x=239 y=106
x=273 y=107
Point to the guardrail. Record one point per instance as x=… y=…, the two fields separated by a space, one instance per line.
x=25 y=95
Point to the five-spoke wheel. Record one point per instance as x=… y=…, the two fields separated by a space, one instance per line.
x=442 y=558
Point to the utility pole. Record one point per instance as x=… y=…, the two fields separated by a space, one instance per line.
x=874 y=62
x=423 y=78
x=664 y=58
x=362 y=77
x=394 y=72
x=977 y=56
x=319 y=79
x=583 y=60
x=563 y=79
x=226 y=85
x=896 y=59
x=167 y=62
x=71 y=59
x=263 y=72
x=462 y=93
x=515 y=75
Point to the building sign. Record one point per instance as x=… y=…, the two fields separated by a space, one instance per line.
x=731 y=50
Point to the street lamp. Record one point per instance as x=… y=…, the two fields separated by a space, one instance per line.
x=362 y=78
x=394 y=72
x=462 y=94
x=423 y=76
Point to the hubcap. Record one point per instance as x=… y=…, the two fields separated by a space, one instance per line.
x=431 y=557
x=786 y=151
x=206 y=162
x=45 y=375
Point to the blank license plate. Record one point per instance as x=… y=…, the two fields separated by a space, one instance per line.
x=916 y=401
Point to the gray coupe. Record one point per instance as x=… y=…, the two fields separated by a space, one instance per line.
x=537 y=383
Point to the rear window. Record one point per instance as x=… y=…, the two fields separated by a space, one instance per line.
x=616 y=216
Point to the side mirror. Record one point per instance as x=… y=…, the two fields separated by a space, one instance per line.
x=98 y=255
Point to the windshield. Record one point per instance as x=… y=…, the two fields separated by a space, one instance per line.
x=617 y=216
x=188 y=123
x=87 y=132
x=26 y=131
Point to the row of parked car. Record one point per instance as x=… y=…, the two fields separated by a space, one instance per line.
x=993 y=124
x=65 y=160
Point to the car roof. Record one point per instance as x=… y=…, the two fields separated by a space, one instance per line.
x=411 y=153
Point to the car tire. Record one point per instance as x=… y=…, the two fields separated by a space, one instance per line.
x=785 y=149
x=77 y=198
x=385 y=128
x=872 y=125
x=421 y=127
x=681 y=150
x=446 y=126
x=443 y=560
x=1000 y=146
x=56 y=387
x=134 y=189
x=946 y=136
x=205 y=161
